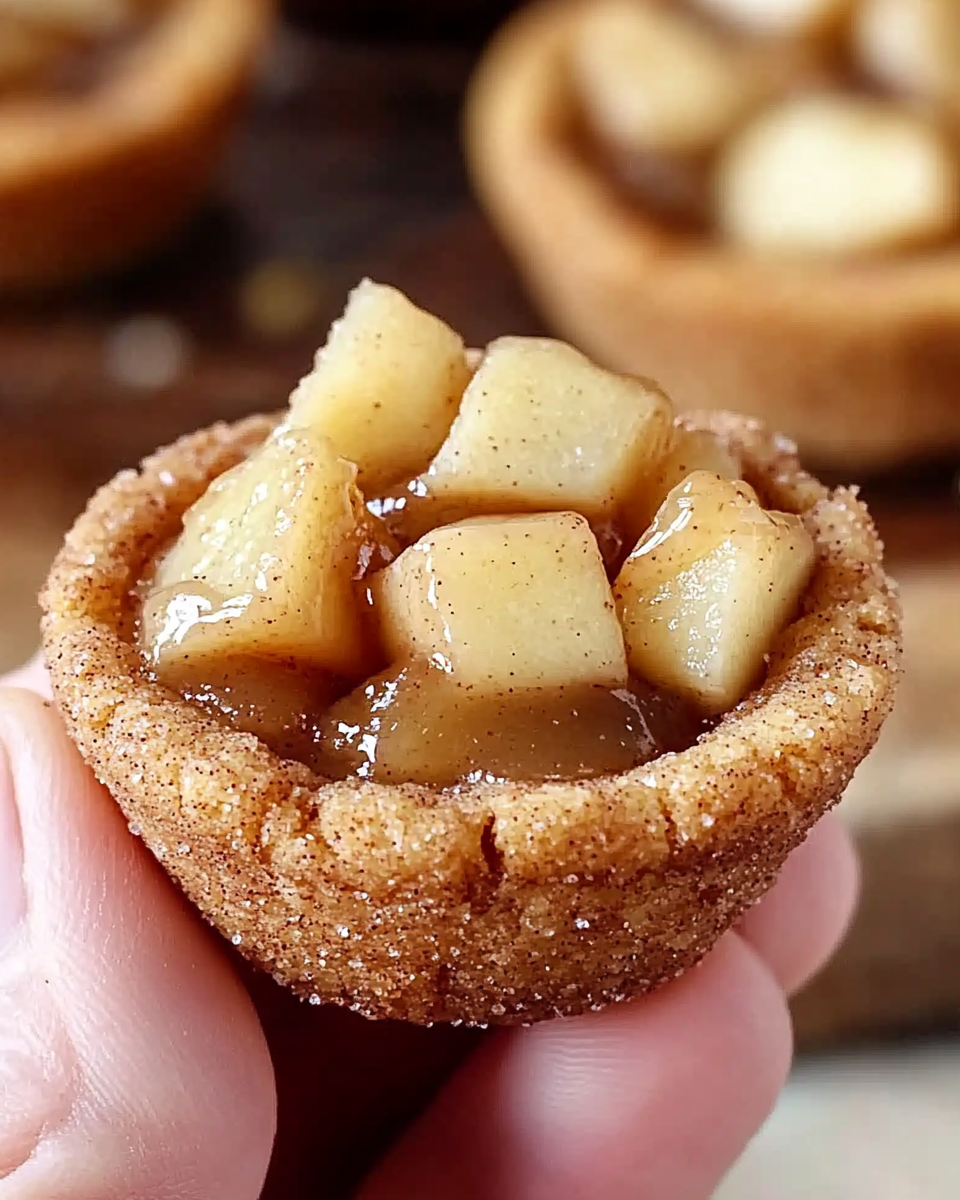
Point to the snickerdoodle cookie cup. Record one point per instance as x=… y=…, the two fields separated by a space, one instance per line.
x=488 y=902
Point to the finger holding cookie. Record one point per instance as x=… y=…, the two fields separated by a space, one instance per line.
x=131 y=1059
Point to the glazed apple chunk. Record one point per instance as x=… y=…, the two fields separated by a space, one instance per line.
x=386 y=386
x=490 y=643
x=541 y=428
x=653 y=79
x=265 y=566
x=707 y=588
x=912 y=46
x=789 y=128
x=691 y=450
x=833 y=175
x=505 y=602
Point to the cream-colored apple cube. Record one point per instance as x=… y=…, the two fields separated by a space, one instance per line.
x=693 y=450
x=653 y=79
x=501 y=603
x=542 y=428
x=912 y=46
x=780 y=18
x=386 y=386
x=705 y=592
x=834 y=175
x=265 y=564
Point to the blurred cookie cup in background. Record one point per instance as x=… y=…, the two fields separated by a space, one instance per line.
x=113 y=114
x=762 y=212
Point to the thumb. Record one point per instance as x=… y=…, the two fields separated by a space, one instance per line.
x=131 y=1061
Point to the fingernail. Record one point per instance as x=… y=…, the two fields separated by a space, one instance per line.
x=13 y=898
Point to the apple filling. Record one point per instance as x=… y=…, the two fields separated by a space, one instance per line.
x=443 y=569
x=817 y=127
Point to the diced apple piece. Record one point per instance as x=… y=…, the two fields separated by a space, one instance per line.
x=501 y=603
x=693 y=450
x=386 y=386
x=265 y=564
x=705 y=592
x=912 y=46
x=651 y=78
x=834 y=175
x=541 y=428
x=415 y=724
x=780 y=18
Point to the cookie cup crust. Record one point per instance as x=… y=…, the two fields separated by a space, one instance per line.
x=497 y=903
x=856 y=360
x=89 y=181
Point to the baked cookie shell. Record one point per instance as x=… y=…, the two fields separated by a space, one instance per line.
x=501 y=903
x=856 y=360
x=87 y=182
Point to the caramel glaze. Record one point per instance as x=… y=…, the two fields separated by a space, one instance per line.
x=276 y=700
x=417 y=725
x=414 y=724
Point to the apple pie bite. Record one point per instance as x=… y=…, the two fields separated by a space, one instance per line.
x=112 y=117
x=473 y=687
x=768 y=187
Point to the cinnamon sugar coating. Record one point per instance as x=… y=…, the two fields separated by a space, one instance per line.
x=491 y=903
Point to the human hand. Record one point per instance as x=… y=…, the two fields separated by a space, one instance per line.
x=135 y=1049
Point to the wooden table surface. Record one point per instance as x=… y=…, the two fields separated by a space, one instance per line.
x=347 y=165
